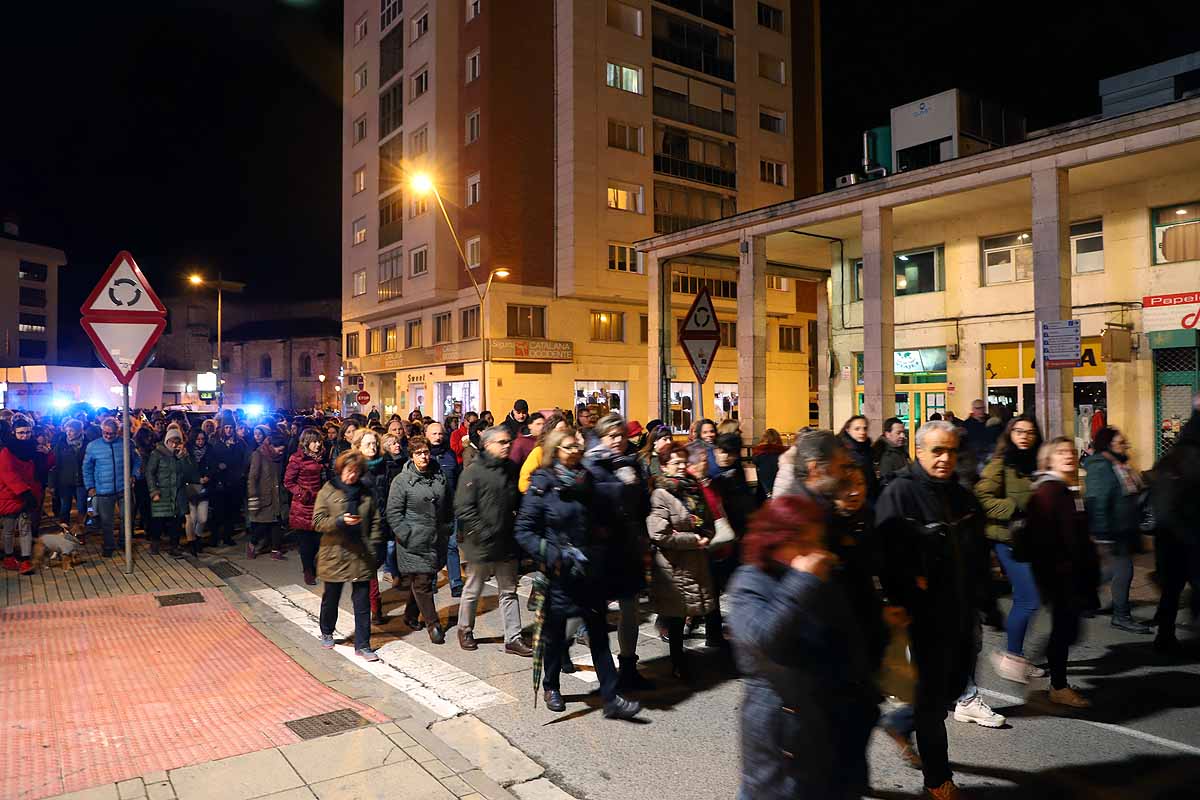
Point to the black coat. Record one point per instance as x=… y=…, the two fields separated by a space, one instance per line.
x=1061 y=554
x=766 y=463
x=736 y=496
x=1176 y=487
x=68 y=465
x=621 y=507
x=860 y=453
x=235 y=455
x=419 y=512
x=446 y=459
x=486 y=506
x=553 y=517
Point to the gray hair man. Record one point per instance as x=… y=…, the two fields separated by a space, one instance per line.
x=814 y=466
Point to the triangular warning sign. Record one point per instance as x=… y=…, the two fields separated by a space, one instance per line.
x=124 y=346
x=123 y=290
x=702 y=316
x=700 y=354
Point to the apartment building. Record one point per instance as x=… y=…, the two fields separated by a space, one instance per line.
x=557 y=134
x=28 y=275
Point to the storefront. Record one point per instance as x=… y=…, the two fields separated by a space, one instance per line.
x=921 y=387
x=414 y=397
x=683 y=406
x=725 y=401
x=1170 y=322
x=387 y=395
x=455 y=398
x=612 y=395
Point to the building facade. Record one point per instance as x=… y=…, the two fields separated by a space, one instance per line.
x=29 y=320
x=556 y=138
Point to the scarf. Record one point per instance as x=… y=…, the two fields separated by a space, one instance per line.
x=568 y=477
x=22 y=449
x=1129 y=480
x=1023 y=461
x=352 y=491
x=687 y=490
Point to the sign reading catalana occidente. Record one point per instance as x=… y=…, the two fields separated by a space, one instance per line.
x=1170 y=312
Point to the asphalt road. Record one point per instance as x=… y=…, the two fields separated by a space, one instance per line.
x=1141 y=739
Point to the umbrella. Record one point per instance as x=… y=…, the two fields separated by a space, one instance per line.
x=538 y=599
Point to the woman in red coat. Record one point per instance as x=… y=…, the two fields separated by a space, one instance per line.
x=20 y=492
x=304 y=477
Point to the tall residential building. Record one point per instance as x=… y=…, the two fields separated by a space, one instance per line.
x=558 y=133
x=29 y=320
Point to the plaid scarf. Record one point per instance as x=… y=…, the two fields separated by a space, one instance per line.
x=687 y=490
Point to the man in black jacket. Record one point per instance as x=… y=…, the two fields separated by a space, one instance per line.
x=515 y=422
x=893 y=455
x=1176 y=493
x=485 y=503
x=937 y=570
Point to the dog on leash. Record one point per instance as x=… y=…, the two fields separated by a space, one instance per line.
x=62 y=545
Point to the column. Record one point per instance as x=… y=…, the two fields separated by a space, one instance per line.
x=824 y=383
x=1054 y=399
x=752 y=338
x=879 y=308
x=658 y=337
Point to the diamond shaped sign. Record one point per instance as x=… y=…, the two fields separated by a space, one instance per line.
x=700 y=335
x=700 y=354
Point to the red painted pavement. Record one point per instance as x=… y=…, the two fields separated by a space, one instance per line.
x=96 y=691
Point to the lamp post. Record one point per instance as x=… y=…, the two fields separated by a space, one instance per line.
x=321 y=402
x=422 y=185
x=221 y=285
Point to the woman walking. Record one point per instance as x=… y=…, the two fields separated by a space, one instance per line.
x=1004 y=490
x=419 y=511
x=766 y=462
x=367 y=442
x=1063 y=558
x=197 y=466
x=165 y=478
x=303 y=478
x=264 y=498
x=349 y=523
x=856 y=436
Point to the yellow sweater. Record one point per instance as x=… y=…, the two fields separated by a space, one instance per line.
x=529 y=467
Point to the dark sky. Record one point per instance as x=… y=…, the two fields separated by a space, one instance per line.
x=208 y=133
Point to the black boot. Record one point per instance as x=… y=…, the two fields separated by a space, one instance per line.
x=628 y=678
x=620 y=708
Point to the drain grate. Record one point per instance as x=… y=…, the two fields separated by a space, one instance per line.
x=181 y=599
x=223 y=569
x=344 y=719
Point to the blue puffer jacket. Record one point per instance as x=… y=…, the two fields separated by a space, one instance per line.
x=104 y=466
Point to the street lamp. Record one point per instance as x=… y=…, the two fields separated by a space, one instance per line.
x=196 y=279
x=422 y=184
x=321 y=378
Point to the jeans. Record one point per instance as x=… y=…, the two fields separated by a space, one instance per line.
x=453 y=563
x=389 y=563
x=1064 y=630
x=898 y=720
x=18 y=526
x=106 y=510
x=510 y=608
x=627 y=628
x=1117 y=569
x=310 y=543
x=554 y=630
x=197 y=518
x=62 y=504
x=1024 y=597
x=361 y=604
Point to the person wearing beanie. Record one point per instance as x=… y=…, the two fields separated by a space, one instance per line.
x=165 y=479
x=517 y=421
x=20 y=492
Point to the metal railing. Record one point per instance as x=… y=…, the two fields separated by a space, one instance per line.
x=693 y=58
x=390 y=289
x=694 y=171
x=674 y=106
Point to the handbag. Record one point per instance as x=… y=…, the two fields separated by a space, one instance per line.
x=723 y=534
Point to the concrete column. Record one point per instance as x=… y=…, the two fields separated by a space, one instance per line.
x=752 y=338
x=658 y=337
x=879 y=309
x=824 y=383
x=1054 y=400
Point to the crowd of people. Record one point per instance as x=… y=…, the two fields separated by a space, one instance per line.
x=857 y=578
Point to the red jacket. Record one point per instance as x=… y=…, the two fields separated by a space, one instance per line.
x=456 y=440
x=16 y=478
x=303 y=479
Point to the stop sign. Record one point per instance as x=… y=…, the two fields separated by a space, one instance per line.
x=363 y=398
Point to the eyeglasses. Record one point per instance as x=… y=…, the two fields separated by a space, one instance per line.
x=1023 y=431
x=570 y=448
x=416 y=453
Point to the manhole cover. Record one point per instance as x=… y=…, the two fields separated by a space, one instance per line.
x=223 y=569
x=343 y=719
x=181 y=599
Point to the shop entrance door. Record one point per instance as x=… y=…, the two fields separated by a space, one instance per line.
x=1176 y=381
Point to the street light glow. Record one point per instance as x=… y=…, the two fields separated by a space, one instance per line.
x=195 y=280
x=421 y=183
x=321 y=377
x=501 y=272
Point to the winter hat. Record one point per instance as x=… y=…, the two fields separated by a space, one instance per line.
x=173 y=435
x=634 y=428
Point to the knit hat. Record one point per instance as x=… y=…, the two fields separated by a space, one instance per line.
x=173 y=435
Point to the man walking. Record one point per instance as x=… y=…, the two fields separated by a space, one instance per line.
x=460 y=433
x=104 y=477
x=486 y=504
x=981 y=437
x=1176 y=491
x=894 y=456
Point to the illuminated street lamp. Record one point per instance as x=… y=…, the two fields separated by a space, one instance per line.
x=321 y=378
x=196 y=279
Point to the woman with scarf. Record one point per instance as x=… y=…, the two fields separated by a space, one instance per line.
x=856 y=436
x=533 y=462
x=348 y=520
x=367 y=442
x=395 y=455
x=680 y=525
x=197 y=465
x=555 y=526
x=20 y=491
x=303 y=479
x=766 y=462
x=1004 y=490
x=1111 y=497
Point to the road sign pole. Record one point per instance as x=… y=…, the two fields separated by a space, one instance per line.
x=126 y=509
x=700 y=402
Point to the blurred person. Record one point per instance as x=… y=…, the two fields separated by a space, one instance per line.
x=892 y=450
x=197 y=469
x=67 y=476
x=533 y=462
x=460 y=433
x=441 y=452
x=366 y=440
x=658 y=443
x=472 y=444
x=232 y=457
x=524 y=443
x=142 y=445
x=766 y=462
x=20 y=493
x=705 y=432
x=264 y=498
x=303 y=478
x=1176 y=497
x=981 y=434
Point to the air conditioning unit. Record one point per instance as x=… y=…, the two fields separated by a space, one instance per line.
x=848 y=180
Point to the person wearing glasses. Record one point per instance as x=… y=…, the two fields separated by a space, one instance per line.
x=104 y=477
x=486 y=506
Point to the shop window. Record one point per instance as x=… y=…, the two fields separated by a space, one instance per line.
x=683 y=408
x=1087 y=247
x=527 y=321
x=1176 y=233
x=607 y=326
x=1008 y=258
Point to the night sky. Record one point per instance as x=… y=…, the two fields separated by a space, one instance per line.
x=208 y=134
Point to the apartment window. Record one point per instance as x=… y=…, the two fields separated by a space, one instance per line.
x=391 y=219
x=625 y=17
x=412 y=334
x=729 y=334
x=777 y=282
x=684 y=281
x=419 y=259
x=391 y=109
x=678 y=207
x=468 y=323
x=360 y=179
x=441 y=328
x=772 y=68
x=791 y=339
x=626 y=197
x=420 y=25
x=473 y=126
x=31 y=323
x=627 y=79
x=360 y=28
x=607 y=326
x=473 y=65
x=351 y=345
x=472 y=9
x=473 y=189
x=359 y=129
x=643 y=329
x=1087 y=246
x=391 y=163
x=1176 y=233
x=360 y=79
x=389 y=12
x=360 y=283
x=772 y=172
x=916 y=272
x=32 y=271
x=527 y=321
x=419 y=142
x=372 y=341
x=31 y=348
x=1008 y=258
x=624 y=258
x=624 y=136
x=306 y=366
x=473 y=252
x=391 y=265
x=391 y=55
x=264 y=366
x=420 y=83
x=360 y=230
x=389 y=338
x=418 y=206
x=770 y=17
x=772 y=120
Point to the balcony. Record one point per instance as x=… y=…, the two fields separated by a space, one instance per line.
x=675 y=106
x=693 y=58
x=671 y=223
x=391 y=289
x=390 y=232
x=694 y=171
x=718 y=11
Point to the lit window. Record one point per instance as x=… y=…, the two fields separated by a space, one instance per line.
x=360 y=179
x=420 y=261
x=772 y=172
x=420 y=83
x=625 y=197
x=420 y=25
x=1006 y=259
x=473 y=189
x=31 y=323
x=627 y=79
x=360 y=283
x=441 y=328
x=360 y=79
x=360 y=28
x=472 y=9
x=473 y=65
x=373 y=341
x=791 y=339
x=623 y=258
x=1087 y=246
x=360 y=129
x=771 y=120
x=625 y=17
x=468 y=323
x=527 y=321
x=1176 y=233
x=624 y=136
x=351 y=345
x=473 y=251
x=412 y=334
x=607 y=326
x=360 y=230
x=916 y=272
x=389 y=338
x=473 y=126
x=419 y=206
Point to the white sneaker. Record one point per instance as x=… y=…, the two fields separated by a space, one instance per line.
x=1015 y=668
x=977 y=711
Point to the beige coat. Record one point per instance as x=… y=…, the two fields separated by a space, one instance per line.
x=682 y=583
x=346 y=554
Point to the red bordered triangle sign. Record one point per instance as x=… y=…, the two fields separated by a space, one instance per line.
x=123 y=317
x=122 y=291
x=700 y=334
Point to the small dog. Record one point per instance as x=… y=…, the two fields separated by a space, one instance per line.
x=61 y=545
